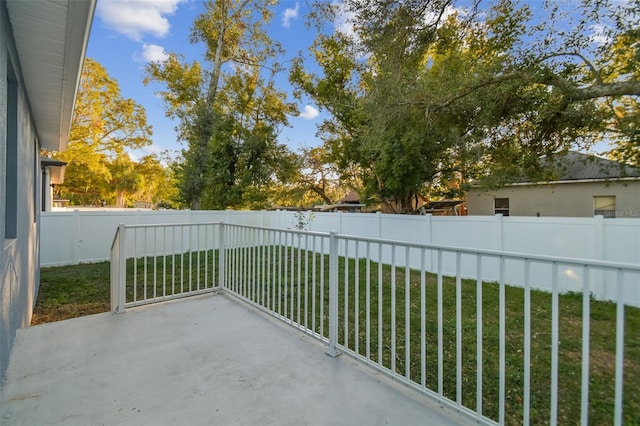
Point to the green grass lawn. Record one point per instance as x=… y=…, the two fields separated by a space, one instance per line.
x=78 y=290
x=72 y=291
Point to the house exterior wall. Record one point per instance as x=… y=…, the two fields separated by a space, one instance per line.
x=18 y=253
x=558 y=200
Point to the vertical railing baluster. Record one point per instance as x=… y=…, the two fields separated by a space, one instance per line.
x=261 y=262
x=206 y=255
x=155 y=262
x=251 y=272
x=314 y=275
x=555 y=334
x=214 y=277
x=479 y=334
x=164 y=261
x=173 y=260
x=280 y=264
x=423 y=321
x=243 y=262
x=306 y=281
x=502 y=331
x=440 y=329
x=322 y=282
x=527 y=344
x=198 y=250
x=380 y=304
x=458 y=329
x=273 y=277
x=292 y=279
x=368 y=303
x=135 y=264
x=619 y=392
x=122 y=268
x=145 y=265
x=407 y=316
x=237 y=261
x=333 y=293
x=356 y=304
x=285 y=283
x=299 y=278
x=255 y=274
x=393 y=308
x=248 y=255
x=190 y=228
x=181 y=258
x=222 y=281
x=586 y=332
x=346 y=293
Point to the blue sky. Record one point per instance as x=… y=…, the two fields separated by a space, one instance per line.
x=126 y=34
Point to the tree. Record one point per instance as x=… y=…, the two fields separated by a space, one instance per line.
x=425 y=97
x=125 y=179
x=104 y=126
x=157 y=184
x=378 y=123
x=229 y=119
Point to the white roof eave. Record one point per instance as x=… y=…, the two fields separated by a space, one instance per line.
x=51 y=39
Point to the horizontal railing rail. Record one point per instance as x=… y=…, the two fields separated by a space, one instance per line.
x=427 y=315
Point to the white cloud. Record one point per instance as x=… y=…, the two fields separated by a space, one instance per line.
x=342 y=22
x=153 y=149
x=309 y=112
x=600 y=34
x=153 y=53
x=135 y=18
x=289 y=15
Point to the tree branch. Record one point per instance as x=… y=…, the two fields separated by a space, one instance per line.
x=591 y=67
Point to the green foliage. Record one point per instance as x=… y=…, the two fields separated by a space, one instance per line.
x=104 y=126
x=424 y=98
x=229 y=118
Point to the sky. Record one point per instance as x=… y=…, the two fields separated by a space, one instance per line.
x=127 y=34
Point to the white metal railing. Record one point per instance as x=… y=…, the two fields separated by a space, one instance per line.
x=408 y=310
x=154 y=263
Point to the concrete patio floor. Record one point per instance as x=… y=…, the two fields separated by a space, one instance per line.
x=207 y=360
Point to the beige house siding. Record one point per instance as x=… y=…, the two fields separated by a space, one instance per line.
x=570 y=199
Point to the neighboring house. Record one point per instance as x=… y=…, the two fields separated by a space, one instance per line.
x=391 y=205
x=585 y=185
x=444 y=208
x=348 y=203
x=52 y=175
x=42 y=48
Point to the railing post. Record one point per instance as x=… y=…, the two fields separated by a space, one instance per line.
x=122 y=268
x=221 y=253
x=333 y=294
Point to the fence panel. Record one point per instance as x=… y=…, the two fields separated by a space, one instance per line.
x=74 y=237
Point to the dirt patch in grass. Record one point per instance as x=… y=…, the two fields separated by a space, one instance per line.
x=45 y=314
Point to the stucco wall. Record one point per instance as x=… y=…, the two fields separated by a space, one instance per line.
x=18 y=256
x=558 y=200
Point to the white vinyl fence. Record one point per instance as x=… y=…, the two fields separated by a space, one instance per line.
x=78 y=237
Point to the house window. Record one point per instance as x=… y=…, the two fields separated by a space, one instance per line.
x=604 y=206
x=11 y=157
x=501 y=206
